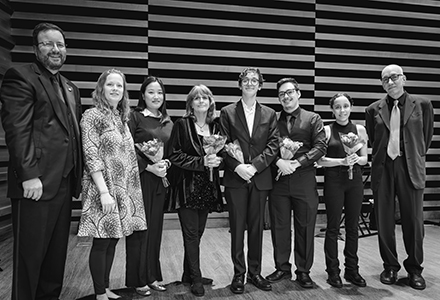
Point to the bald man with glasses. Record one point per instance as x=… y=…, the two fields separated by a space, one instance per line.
x=400 y=129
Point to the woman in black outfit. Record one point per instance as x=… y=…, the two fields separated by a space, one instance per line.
x=148 y=121
x=340 y=192
x=193 y=194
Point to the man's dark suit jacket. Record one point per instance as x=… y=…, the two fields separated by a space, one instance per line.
x=417 y=136
x=36 y=129
x=260 y=150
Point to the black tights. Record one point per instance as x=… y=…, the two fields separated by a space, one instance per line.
x=100 y=263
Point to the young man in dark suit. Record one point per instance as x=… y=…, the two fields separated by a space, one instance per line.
x=40 y=114
x=400 y=129
x=247 y=184
x=296 y=187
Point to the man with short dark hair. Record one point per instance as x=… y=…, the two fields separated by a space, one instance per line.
x=400 y=129
x=247 y=183
x=296 y=187
x=40 y=114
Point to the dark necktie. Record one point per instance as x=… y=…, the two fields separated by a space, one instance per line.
x=290 y=123
x=57 y=88
x=393 y=148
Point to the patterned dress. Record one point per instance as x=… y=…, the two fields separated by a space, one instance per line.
x=108 y=147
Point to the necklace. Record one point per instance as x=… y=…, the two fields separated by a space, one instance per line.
x=201 y=127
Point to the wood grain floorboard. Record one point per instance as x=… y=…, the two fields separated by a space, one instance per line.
x=216 y=264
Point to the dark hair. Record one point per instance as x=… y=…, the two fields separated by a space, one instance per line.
x=100 y=102
x=285 y=80
x=141 y=103
x=200 y=89
x=45 y=27
x=250 y=70
x=336 y=96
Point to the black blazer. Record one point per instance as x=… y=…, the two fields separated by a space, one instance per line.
x=260 y=150
x=187 y=156
x=36 y=129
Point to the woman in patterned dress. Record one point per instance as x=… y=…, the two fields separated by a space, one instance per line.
x=149 y=121
x=111 y=197
x=193 y=194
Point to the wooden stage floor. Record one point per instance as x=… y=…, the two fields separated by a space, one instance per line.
x=216 y=264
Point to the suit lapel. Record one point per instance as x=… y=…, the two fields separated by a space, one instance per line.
x=53 y=98
x=384 y=112
x=70 y=98
x=240 y=114
x=409 y=108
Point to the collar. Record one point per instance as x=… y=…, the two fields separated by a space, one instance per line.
x=249 y=108
x=401 y=99
x=148 y=113
x=294 y=113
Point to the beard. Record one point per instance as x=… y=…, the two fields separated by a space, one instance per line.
x=52 y=61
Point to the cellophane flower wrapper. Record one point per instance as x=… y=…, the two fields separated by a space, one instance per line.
x=212 y=145
x=234 y=150
x=288 y=149
x=153 y=149
x=352 y=143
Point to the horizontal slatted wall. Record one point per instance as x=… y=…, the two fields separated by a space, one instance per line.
x=100 y=35
x=211 y=42
x=355 y=40
x=6 y=44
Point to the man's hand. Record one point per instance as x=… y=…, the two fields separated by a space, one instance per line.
x=287 y=167
x=245 y=171
x=33 y=189
x=159 y=169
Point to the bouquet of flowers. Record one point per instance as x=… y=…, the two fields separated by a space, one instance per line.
x=234 y=150
x=352 y=143
x=212 y=145
x=153 y=150
x=288 y=149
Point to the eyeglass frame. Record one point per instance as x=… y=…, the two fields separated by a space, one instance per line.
x=253 y=81
x=386 y=79
x=288 y=92
x=53 y=44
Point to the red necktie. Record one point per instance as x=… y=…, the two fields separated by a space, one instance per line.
x=393 y=149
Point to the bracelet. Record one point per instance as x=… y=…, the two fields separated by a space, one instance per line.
x=103 y=192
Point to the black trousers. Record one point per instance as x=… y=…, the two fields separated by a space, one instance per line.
x=143 y=247
x=342 y=193
x=100 y=263
x=41 y=235
x=246 y=211
x=396 y=182
x=193 y=223
x=298 y=192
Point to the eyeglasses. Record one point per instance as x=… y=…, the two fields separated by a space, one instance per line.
x=253 y=81
x=287 y=92
x=51 y=44
x=393 y=77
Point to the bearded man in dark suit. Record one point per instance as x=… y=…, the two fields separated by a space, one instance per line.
x=247 y=183
x=40 y=114
x=400 y=129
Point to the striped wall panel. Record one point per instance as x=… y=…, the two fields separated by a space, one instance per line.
x=327 y=45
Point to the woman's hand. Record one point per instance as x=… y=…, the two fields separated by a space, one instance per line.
x=212 y=161
x=159 y=169
x=108 y=203
x=351 y=160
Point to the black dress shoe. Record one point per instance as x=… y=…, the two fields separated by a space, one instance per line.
x=197 y=289
x=334 y=280
x=259 y=282
x=355 y=278
x=388 y=277
x=237 y=284
x=205 y=281
x=304 y=280
x=416 y=281
x=278 y=276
